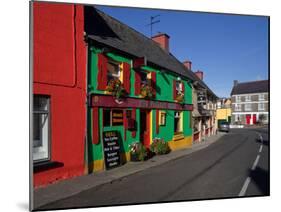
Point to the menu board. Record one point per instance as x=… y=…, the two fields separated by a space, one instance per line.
x=111 y=149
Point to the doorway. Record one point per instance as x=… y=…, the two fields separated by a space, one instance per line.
x=145 y=127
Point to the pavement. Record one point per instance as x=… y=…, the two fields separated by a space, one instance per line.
x=68 y=188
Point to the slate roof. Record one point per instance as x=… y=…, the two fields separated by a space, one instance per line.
x=108 y=31
x=250 y=87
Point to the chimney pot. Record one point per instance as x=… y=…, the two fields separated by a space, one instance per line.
x=199 y=74
x=163 y=41
x=187 y=64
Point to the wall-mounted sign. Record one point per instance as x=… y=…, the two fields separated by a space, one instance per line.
x=111 y=149
x=107 y=101
x=117 y=117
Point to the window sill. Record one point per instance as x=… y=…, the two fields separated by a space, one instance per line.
x=46 y=165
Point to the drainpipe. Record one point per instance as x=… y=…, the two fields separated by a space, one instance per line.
x=87 y=110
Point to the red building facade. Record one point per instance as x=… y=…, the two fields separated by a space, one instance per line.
x=59 y=92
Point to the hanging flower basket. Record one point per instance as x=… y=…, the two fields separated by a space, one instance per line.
x=116 y=88
x=180 y=97
x=147 y=91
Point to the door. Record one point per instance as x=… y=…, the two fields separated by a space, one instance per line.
x=144 y=127
x=248 y=119
x=254 y=118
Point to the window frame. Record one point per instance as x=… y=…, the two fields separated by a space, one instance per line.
x=109 y=74
x=48 y=112
x=237 y=98
x=180 y=117
x=247 y=98
x=238 y=107
x=110 y=117
x=248 y=107
x=261 y=108
x=263 y=97
x=162 y=122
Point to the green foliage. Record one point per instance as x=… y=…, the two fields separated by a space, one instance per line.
x=147 y=91
x=159 y=146
x=138 y=152
x=116 y=88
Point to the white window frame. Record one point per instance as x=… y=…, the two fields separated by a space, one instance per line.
x=238 y=107
x=248 y=98
x=237 y=98
x=261 y=97
x=262 y=108
x=248 y=107
x=42 y=153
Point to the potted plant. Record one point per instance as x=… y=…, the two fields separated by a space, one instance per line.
x=138 y=152
x=116 y=88
x=159 y=146
x=147 y=91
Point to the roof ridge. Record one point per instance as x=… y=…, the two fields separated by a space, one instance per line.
x=147 y=38
x=252 y=81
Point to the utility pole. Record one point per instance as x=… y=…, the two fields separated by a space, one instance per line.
x=153 y=21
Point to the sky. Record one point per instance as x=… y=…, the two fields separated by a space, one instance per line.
x=225 y=47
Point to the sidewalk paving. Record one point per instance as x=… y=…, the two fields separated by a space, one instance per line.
x=67 y=188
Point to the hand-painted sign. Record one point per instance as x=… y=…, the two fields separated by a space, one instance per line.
x=108 y=101
x=111 y=149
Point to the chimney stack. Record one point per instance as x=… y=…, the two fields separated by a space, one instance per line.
x=235 y=82
x=187 y=64
x=163 y=40
x=199 y=74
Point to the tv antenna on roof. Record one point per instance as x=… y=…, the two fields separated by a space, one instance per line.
x=153 y=21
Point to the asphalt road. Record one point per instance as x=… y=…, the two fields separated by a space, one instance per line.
x=236 y=165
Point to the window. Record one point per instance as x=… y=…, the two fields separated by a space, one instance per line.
x=162 y=118
x=261 y=97
x=113 y=71
x=248 y=98
x=179 y=87
x=112 y=117
x=144 y=78
x=248 y=107
x=238 y=98
x=177 y=122
x=261 y=106
x=237 y=107
x=41 y=107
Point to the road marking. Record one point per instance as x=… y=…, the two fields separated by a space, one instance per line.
x=256 y=162
x=248 y=180
x=260 y=149
x=261 y=138
x=245 y=186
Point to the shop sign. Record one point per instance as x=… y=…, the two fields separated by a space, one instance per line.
x=107 y=101
x=117 y=117
x=111 y=148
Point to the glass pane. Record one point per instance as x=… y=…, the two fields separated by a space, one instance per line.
x=113 y=69
x=106 y=117
x=40 y=103
x=41 y=128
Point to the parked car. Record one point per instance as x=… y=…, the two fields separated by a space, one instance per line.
x=224 y=127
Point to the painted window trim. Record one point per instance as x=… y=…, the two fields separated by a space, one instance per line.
x=161 y=112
